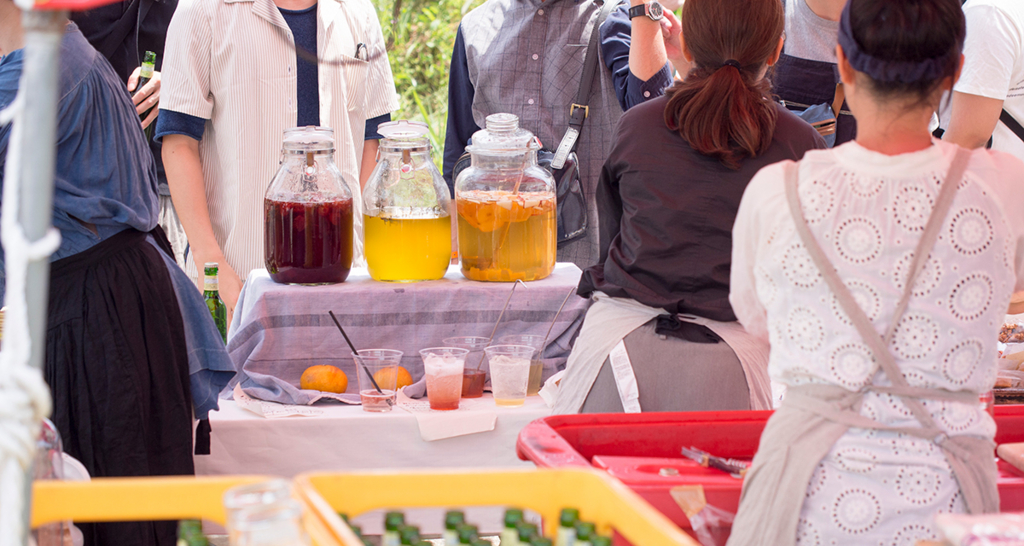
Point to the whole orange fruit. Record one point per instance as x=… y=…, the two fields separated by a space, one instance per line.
x=384 y=376
x=323 y=377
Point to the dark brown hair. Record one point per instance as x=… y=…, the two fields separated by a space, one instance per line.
x=904 y=33
x=724 y=111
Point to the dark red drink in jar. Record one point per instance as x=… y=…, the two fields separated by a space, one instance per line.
x=308 y=243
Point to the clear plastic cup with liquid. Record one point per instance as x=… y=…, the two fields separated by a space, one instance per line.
x=536 y=365
x=241 y=497
x=474 y=374
x=510 y=373
x=377 y=374
x=278 y=524
x=443 y=369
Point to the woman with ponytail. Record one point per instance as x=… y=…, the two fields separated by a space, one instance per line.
x=880 y=271
x=660 y=335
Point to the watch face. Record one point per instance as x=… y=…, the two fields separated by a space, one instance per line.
x=655 y=11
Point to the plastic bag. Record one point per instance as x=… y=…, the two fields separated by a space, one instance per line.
x=982 y=530
x=710 y=525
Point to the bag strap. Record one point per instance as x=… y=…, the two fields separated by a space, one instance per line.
x=1012 y=124
x=580 y=109
x=879 y=344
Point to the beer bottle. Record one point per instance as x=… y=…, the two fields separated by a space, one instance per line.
x=510 y=535
x=468 y=533
x=190 y=533
x=452 y=520
x=146 y=74
x=216 y=305
x=526 y=532
x=540 y=541
x=392 y=521
x=584 y=533
x=567 y=527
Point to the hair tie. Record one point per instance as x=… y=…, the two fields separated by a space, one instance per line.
x=733 y=63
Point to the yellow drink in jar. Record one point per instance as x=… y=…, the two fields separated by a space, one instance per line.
x=407 y=249
x=505 y=237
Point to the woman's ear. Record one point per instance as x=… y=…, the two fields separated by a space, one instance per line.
x=846 y=72
x=686 y=50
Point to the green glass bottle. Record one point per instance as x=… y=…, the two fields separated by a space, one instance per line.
x=510 y=535
x=601 y=541
x=392 y=521
x=408 y=535
x=190 y=533
x=212 y=296
x=527 y=531
x=540 y=541
x=452 y=520
x=146 y=74
x=584 y=532
x=567 y=527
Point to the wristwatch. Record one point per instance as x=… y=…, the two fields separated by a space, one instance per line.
x=651 y=9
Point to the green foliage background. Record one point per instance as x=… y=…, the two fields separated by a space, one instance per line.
x=420 y=35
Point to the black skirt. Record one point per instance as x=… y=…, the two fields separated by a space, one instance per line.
x=117 y=366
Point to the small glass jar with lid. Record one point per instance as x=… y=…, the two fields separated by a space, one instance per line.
x=308 y=212
x=407 y=232
x=506 y=206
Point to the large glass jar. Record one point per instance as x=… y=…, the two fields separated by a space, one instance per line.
x=506 y=206
x=406 y=221
x=308 y=212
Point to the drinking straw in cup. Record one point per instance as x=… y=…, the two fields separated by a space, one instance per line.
x=510 y=373
x=443 y=369
x=536 y=365
x=377 y=374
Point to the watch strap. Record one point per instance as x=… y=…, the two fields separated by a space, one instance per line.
x=637 y=11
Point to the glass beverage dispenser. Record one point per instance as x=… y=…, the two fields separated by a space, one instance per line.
x=308 y=212
x=406 y=223
x=506 y=206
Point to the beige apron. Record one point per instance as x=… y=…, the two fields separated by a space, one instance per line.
x=813 y=417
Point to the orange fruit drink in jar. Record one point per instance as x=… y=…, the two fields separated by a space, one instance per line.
x=505 y=237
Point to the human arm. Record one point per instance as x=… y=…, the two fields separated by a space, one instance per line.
x=461 y=124
x=621 y=43
x=990 y=55
x=972 y=120
x=188 y=193
x=369 y=161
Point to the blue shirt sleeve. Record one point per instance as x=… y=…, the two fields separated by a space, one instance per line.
x=370 y=133
x=461 y=125
x=170 y=122
x=615 y=40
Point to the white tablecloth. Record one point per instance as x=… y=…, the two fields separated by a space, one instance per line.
x=279 y=330
x=348 y=438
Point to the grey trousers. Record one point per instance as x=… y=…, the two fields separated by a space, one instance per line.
x=674 y=375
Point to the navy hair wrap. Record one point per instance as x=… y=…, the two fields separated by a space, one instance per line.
x=885 y=70
x=733 y=63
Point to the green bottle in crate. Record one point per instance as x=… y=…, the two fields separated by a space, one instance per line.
x=540 y=541
x=527 y=531
x=510 y=535
x=392 y=521
x=567 y=527
x=452 y=520
x=601 y=541
x=408 y=535
x=190 y=533
x=468 y=533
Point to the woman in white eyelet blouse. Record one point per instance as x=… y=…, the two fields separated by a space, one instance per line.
x=867 y=210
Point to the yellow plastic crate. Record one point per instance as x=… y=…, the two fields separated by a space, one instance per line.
x=600 y=499
x=133 y=499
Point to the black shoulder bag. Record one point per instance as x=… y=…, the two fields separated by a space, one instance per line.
x=563 y=163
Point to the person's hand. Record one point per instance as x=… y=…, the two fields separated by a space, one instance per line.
x=228 y=283
x=147 y=98
x=672 y=32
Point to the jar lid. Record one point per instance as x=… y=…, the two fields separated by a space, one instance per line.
x=403 y=129
x=308 y=139
x=502 y=133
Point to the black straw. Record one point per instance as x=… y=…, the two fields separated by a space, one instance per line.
x=355 y=352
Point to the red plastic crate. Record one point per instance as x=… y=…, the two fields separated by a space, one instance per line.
x=635 y=447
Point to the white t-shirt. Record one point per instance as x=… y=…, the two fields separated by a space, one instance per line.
x=809 y=36
x=994 y=62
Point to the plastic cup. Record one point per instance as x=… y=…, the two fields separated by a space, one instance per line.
x=510 y=373
x=443 y=369
x=262 y=494
x=382 y=365
x=536 y=365
x=474 y=375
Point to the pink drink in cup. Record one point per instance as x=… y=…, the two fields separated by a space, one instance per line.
x=377 y=373
x=443 y=368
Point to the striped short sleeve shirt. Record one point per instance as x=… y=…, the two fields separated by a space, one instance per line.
x=233 y=63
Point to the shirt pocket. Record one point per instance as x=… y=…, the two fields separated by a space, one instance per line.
x=353 y=74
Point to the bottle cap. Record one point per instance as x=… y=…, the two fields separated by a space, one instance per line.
x=392 y=520
x=467 y=534
x=526 y=532
x=453 y=518
x=208 y=265
x=540 y=541
x=512 y=517
x=600 y=541
x=568 y=517
x=584 y=530
x=409 y=534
